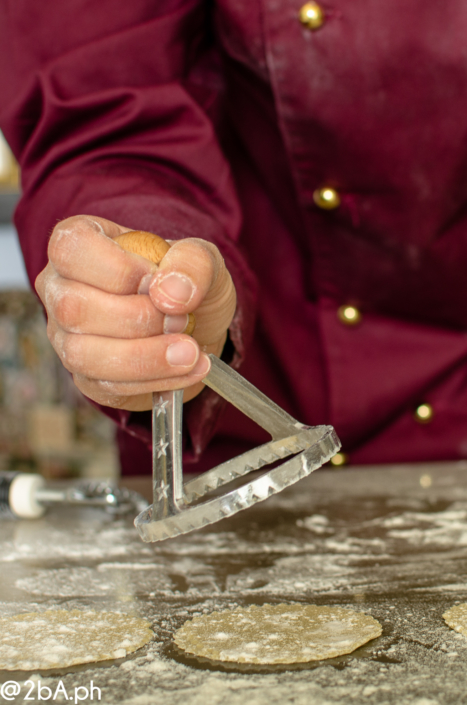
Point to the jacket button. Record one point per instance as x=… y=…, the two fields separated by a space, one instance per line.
x=311 y=15
x=424 y=413
x=349 y=315
x=326 y=198
x=339 y=460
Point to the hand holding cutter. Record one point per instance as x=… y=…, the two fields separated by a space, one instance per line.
x=176 y=507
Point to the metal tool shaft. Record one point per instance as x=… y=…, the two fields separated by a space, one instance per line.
x=253 y=403
x=167 y=473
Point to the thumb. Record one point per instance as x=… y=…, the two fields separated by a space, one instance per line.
x=192 y=277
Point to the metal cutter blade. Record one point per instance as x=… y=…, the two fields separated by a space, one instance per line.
x=176 y=508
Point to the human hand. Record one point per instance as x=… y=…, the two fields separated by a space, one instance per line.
x=115 y=319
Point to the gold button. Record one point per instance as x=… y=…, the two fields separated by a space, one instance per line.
x=339 y=459
x=311 y=15
x=326 y=198
x=424 y=413
x=426 y=481
x=349 y=315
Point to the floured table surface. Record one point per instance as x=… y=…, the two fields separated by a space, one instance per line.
x=389 y=542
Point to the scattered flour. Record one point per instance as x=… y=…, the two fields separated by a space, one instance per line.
x=92 y=582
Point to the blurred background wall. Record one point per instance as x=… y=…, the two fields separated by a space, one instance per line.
x=46 y=425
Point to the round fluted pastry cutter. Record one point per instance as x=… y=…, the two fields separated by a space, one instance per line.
x=177 y=507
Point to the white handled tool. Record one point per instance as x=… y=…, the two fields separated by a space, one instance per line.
x=26 y=496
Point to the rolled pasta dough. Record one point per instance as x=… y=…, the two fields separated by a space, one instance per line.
x=62 y=638
x=273 y=634
x=456 y=618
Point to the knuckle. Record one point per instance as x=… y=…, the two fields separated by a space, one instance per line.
x=60 y=233
x=60 y=343
x=39 y=284
x=51 y=332
x=59 y=228
x=64 y=242
x=67 y=310
x=69 y=351
x=45 y=282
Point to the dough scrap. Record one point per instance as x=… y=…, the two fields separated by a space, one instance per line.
x=62 y=638
x=456 y=618
x=277 y=633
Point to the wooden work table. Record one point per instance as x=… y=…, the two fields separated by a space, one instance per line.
x=390 y=541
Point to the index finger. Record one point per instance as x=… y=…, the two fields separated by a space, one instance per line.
x=82 y=249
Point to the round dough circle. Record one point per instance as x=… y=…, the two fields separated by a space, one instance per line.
x=456 y=618
x=62 y=638
x=277 y=633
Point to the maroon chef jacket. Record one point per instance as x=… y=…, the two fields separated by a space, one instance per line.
x=220 y=120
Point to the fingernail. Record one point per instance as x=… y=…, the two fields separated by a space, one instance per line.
x=202 y=367
x=175 y=324
x=183 y=353
x=177 y=288
x=143 y=287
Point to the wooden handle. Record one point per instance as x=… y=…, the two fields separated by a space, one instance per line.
x=148 y=245
x=153 y=248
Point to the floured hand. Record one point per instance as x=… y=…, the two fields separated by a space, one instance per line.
x=116 y=320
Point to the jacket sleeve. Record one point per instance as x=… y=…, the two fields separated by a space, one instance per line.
x=108 y=108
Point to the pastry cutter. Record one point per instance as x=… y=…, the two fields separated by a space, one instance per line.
x=179 y=507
